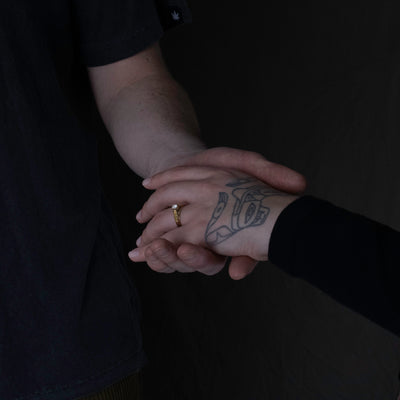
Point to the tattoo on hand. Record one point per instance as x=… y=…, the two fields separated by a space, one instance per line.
x=248 y=210
x=242 y=181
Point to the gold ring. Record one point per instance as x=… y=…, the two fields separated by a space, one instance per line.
x=176 y=209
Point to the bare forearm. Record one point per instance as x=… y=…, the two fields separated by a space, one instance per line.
x=153 y=125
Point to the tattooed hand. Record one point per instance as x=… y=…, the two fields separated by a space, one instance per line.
x=248 y=210
x=224 y=210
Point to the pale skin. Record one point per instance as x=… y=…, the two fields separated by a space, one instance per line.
x=227 y=211
x=154 y=128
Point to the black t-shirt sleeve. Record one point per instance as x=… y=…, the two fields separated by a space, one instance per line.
x=353 y=259
x=111 y=30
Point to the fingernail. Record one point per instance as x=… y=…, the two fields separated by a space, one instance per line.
x=139 y=216
x=138 y=241
x=133 y=254
x=146 y=181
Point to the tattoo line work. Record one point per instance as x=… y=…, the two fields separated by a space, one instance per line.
x=248 y=210
x=242 y=181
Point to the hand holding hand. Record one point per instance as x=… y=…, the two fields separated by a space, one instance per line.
x=225 y=210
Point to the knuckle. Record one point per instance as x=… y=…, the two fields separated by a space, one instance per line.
x=160 y=249
x=161 y=252
x=187 y=255
x=148 y=253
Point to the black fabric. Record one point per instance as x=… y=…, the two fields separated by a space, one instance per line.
x=350 y=257
x=314 y=86
x=69 y=313
x=128 y=388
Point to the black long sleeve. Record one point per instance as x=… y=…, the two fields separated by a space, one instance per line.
x=350 y=257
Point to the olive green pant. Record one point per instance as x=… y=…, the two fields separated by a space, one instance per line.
x=129 y=388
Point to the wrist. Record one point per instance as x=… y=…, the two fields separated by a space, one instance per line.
x=276 y=205
x=178 y=157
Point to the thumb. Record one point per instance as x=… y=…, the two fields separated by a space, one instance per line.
x=241 y=266
x=252 y=163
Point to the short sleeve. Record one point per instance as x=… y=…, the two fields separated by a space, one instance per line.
x=111 y=30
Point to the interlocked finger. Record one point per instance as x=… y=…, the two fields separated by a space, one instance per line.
x=158 y=265
x=182 y=173
x=181 y=193
x=201 y=259
x=164 y=222
x=161 y=256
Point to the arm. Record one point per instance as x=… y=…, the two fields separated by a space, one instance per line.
x=147 y=113
x=351 y=258
x=153 y=126
x=348 y=256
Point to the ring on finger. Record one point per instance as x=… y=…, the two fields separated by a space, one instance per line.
x=176 y=209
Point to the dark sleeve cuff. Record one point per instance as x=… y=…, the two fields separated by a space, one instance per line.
x=284 y=235
x=348 y=256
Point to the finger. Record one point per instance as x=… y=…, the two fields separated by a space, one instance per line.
x=160 y=224
x=280 y=177
x=163 y=225
x=195 y=257
x=181 y=193
x=181 y=173
x=175 y=237
x=138 y=254
x=162 y=254
x=156 y=264
x=276 y=175
x=241 y=266
x=201 y=259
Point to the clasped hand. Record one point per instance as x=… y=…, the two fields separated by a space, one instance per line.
x=225 y=212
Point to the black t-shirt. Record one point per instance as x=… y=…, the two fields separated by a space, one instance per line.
x=350 y=257
x=69 y=316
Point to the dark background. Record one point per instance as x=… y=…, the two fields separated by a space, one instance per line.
x=314 y=87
